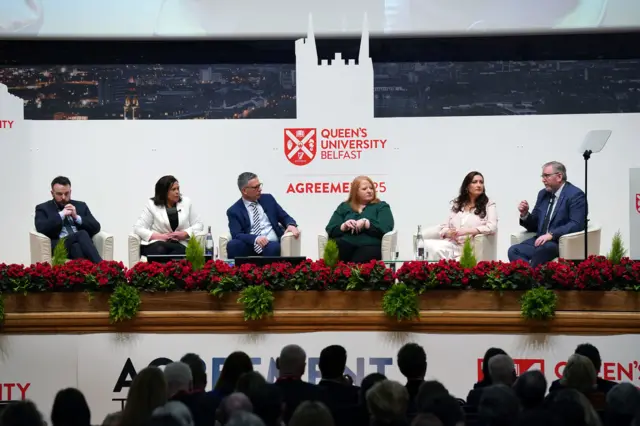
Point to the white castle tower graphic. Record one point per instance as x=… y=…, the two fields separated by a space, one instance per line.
x=336 y=89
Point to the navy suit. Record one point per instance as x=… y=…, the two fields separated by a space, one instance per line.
x=242 y=241
x=568 y=217
x=79 y=244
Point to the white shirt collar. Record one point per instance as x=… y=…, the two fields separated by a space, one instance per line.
x=248 y=203
x=557 y=193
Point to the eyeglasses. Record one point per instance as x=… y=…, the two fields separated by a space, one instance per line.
x=259 y=186
x=548 y=175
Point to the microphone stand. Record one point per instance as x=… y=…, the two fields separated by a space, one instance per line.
x=586 y=155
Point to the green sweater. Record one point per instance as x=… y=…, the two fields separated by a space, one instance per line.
x=380 y=218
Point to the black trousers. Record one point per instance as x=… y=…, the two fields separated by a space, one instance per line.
x=79 y=245
x=358 y=254
x=163 y=248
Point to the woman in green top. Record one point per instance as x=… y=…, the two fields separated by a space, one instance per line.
x=359 y=223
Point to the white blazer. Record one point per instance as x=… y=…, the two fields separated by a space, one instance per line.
x=154 y=219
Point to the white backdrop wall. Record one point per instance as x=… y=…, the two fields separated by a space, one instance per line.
x=94 y=363
x=113 y=166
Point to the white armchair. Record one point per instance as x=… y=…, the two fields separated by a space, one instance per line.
x=40 y=246
x=485 y=247
x=134 y=245
x=289 y=245
x=389 y=245
x=571 y=245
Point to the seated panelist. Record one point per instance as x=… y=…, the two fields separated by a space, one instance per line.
x=256 y=221
x=560 y=209
x=472 y=214
x=359 y=223
x=72 y=220
x=167 y=221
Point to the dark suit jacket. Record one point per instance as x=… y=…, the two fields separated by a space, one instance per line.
x=240 y=224
x=567 y=217
x=48 y=220
x=296 y=391
x=603 y=385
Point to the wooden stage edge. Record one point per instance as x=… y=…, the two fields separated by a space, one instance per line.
x=441 y=311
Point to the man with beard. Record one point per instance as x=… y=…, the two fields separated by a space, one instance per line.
x=69 y=219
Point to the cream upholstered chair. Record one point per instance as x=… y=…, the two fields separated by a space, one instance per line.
x=571 y=245
x=134 y=245
x=40 y=246
x=289 y=245
x=485 y=247
x=389 y=245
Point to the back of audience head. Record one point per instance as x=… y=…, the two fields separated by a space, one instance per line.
x=178 y=377
x=249 y=381
x=623 y=404
x=70 y=408
x=176 y=410
x=21 y=413
x=491 y=352
x=268 y=404
x=499 y=405
x=243 y=418
x=412 y=361
x=231 y=404
x=426 y=419
x=428 y=392
x=148 y=391
x=538 y=417
x=446 y=408
x=236 y=364
x=591 y=352
x=387 y=402
x=198 y=370
x=311 y=413
x=367 y=383
x=579 y=374
x=332 y=363
x=502 y=370
x=572 y=407
x=292 y=361
x=530 y=388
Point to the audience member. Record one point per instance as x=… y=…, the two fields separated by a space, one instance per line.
x=474 y=394
x=426 y=420
x=623 y=404
x=148 y=391
x=198 y=371
x=311 y=413
x=176 y=410
x=236 y=364
x=564 y=402
x=501 y=369
x=367 y=383
x=446 y=408
x=412 y=362
x=538 y=417
x=201 y=403
x=178 y=378
x=429 y=391
x=70 y=408
x=499 y=405
x=332 y=364
x=591 y=352
x=242 y=418
x=387 y=402
x=231 y=404
x=268 y=404
x=579 y=374
x=249 y=381
x=530 y=388
x=21 y=413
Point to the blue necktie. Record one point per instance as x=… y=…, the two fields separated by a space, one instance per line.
x=255 y=227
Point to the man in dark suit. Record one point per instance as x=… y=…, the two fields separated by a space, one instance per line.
x=72 y=220
x=560 y=209
x=256 y=221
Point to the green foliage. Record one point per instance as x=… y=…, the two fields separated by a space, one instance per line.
x=538 y=303
x=124 y=303
x=617 y=249
x=257 y=301
x=195 y=253
x=331 y=254
x=227 y=284
x=401 y=302
x=60 y=255
x=468 y=259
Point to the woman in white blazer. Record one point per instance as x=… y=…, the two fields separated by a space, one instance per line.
x=167 y=221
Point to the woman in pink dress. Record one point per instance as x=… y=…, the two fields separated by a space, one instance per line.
x=472 y=213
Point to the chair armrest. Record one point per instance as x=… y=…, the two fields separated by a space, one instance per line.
x=134 y=249
x=223 y=240
x=571 y=246
x=389 y=245
x=322 y=243
x=104 y=245
x=518 y=237
x=290 y=245
x=431 y=233
x=201 y=237
x=485 y=247
x=40 y=247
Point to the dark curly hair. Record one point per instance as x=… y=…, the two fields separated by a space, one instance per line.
x=463 y=198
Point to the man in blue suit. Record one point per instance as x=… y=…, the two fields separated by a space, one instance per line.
x=560 y=209
x=256 y=221
x=72 y=220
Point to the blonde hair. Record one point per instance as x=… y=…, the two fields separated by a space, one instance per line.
x=387 y=401
x=353 y=192
x=579 y=374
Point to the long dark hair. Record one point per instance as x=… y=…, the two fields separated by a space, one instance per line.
x=236 y=364
x=464 y=198
x=163 y=185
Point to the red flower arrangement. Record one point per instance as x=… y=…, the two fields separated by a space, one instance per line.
x=220 y=277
